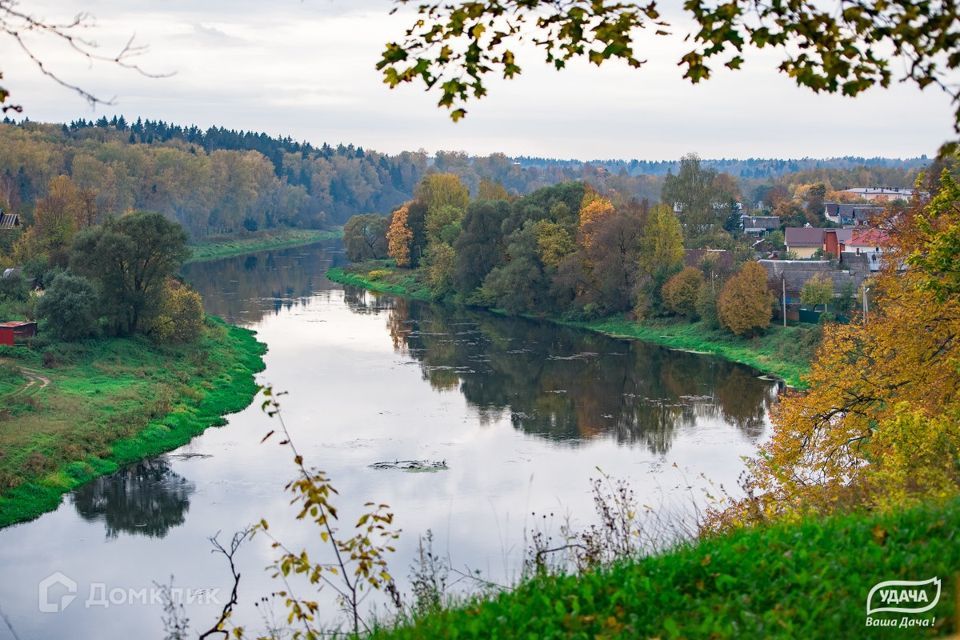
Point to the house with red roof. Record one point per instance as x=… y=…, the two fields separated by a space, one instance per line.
x=869 y=243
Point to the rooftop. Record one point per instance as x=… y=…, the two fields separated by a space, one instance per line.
x=804 y=237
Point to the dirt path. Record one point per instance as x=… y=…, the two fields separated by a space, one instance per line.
x=35 y=382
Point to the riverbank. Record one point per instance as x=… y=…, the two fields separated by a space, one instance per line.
x=227 y=247
x=784 y=352
x=806 y=580
x=100 y=404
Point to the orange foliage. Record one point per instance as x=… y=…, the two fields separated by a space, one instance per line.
x=745 y=303
x=399 y=237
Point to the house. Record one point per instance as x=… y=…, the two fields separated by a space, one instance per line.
x=846 y=213
x=759 y=225
x=789 y=276
x=835 y=241
x=803 y=241
x=885 y=194
x=869 y=243
x=9 y=221
x=10 y=332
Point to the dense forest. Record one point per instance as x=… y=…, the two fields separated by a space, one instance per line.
x=220 y=181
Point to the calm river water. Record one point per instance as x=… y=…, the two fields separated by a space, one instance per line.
x=522 y=412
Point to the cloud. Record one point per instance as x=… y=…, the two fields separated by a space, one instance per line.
x=306 y=69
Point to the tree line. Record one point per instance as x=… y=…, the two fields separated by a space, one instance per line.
x=222 y=181
x=567 y=250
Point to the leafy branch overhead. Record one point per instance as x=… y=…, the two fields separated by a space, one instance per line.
x=845 y=48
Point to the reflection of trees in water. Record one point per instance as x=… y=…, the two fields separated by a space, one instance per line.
x=565 y=384
x=365 y=302
x=146 y=499
x=246 y=288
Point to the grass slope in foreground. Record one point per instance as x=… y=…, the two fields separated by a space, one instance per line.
x=785 y=352
x=110 y=402
x=806 y=580
x=227 y=247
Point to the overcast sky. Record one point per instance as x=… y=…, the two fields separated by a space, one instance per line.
x=306 y=69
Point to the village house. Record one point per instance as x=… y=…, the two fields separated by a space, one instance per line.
x=835 y=241
x=11 y=332
x=803 y=242
x=869 y=243
x=759 y=226
x=788 y=277
x=884 y=194
x=846 y=213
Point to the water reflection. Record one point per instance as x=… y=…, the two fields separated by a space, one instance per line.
x=244 y=289
x=568 y=385
x=147 y=499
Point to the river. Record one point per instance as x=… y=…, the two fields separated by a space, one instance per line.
x=524 y=413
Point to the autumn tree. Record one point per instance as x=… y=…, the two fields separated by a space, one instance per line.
x=491 y=190
x=681 y=292
x=365 y=237
x=878 y=427
x=400 y=236
x=57 y=217
x=438 y=190
x=592 y=214
x=745 y=305
x=661 y=242
x=180 y=317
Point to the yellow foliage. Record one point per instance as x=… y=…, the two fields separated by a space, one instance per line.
x=181 y=317
x=553 y=242
x=745 y=304
x=591 y=214
x=880 y=426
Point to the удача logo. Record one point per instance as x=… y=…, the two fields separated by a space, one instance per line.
x=904 y=596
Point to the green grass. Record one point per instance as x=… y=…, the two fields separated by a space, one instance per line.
x=111 y=402
x=808 y=580
x=785 y=352
x=226 y=247
x=393 y=281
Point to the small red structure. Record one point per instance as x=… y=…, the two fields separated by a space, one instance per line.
x=10 y=332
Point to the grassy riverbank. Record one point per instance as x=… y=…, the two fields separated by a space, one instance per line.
x=785 y=352
x=808 y=580
x=96 y=405
x=227 y=247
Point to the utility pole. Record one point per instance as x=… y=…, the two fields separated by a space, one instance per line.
x=783 y=283
x=866 y=304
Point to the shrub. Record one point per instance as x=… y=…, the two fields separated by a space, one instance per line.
x=745 y=303
x=681 y=291
x=707 y=307
x=68 y=308
x=181 y=316
x=14 y=287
